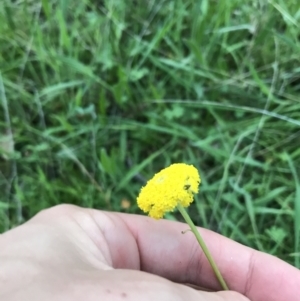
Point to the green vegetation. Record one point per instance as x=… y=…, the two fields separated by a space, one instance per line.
x=97 y=96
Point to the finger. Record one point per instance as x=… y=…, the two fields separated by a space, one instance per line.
x=163 y=250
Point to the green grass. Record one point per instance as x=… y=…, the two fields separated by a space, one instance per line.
x=100 y=95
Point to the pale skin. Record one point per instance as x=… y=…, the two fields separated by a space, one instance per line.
x=69 y=253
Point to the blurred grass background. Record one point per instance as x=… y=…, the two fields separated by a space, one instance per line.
x=97 y=96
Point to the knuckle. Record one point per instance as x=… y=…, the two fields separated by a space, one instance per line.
x=57 y=211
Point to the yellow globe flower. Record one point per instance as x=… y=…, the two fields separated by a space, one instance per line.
x=173 y=185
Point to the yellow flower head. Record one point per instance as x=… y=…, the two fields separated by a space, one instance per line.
x=173 y=185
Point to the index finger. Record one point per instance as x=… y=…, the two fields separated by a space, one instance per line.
x=165 y=251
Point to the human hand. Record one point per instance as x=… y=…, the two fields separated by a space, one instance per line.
x=70 y=253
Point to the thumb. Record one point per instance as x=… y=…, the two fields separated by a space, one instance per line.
x=229 y=296
x=189 y=293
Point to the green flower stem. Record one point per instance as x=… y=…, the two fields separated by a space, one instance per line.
x=203 y=246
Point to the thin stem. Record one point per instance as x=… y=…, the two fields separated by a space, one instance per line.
x=203 y=246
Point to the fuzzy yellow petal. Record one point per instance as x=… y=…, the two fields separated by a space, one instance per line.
x=173 y=185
